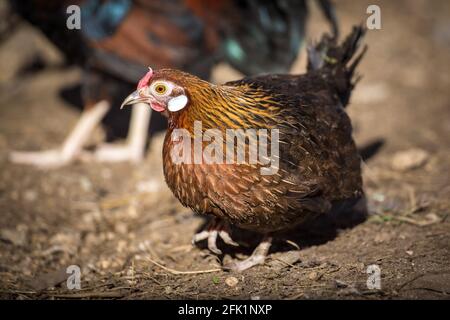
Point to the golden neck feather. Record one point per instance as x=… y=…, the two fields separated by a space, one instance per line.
x=224 y=107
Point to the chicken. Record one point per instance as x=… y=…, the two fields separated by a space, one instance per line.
x=118 y=38
x=314 y=166
x=260 y=36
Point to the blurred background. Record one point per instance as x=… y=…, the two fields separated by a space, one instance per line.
x=106 y=208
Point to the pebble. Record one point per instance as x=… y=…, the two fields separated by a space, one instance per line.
x=17 y=237
x=231 y=281
x=409 y=159
x=313 y=275
x=168 y=290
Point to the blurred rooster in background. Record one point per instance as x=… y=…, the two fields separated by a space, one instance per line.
x=317 y=170
x=120 y=38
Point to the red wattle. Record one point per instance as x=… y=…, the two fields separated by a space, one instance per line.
x=157 y=107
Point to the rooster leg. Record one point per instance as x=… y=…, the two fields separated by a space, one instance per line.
x=215 y=228
x=258 y=256
x=134 y=148
x=71 y=147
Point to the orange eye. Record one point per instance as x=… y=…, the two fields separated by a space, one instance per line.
x=160 y=88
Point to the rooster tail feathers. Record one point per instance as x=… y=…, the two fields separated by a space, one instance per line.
x=340 y=60
x=327 y=53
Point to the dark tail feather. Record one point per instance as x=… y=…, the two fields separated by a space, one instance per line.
x=340 y=60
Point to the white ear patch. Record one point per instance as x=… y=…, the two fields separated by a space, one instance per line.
x=177 y=103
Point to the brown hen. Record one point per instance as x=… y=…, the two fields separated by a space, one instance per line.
x=315 y=165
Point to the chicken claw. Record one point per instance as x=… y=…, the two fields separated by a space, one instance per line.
x=117 y=153
x=258 y=256
x=41 y=159
x=71 y=149
x=215 y=228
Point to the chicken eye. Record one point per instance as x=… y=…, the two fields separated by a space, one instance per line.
x=160 y=88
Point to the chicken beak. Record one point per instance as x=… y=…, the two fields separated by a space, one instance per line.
x=133 y=98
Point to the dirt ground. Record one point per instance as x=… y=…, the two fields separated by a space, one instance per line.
x=132 y=239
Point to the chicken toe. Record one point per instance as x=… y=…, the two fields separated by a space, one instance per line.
x=258 y=256
x=71 y=149
x=40 y=159
x=216 y=228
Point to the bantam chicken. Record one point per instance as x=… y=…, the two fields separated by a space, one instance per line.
x=119 y=38
x=317 y=167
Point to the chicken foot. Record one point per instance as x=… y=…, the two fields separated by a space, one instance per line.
x=219 y=228
x=216 y=228
x=258 y=256
x=71 y=147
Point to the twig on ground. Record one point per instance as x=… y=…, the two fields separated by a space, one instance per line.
x=173 y=271
x=106 y=295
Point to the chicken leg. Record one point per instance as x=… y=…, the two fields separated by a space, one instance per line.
x=134 y=148
x=258 y=256
x=71 y=149
x=219 y=228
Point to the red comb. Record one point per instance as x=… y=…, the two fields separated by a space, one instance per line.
x=145 y=79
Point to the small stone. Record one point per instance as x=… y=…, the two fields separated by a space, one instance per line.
x=285 y=260
x=104 y=264
x=168 y=290
x=231 y=281
x=360 y=267
x=409 y=252
x=17 y=237
x=409 y=159
x=313 y=275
